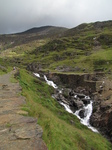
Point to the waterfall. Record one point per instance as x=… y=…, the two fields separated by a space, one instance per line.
x=37 y=75
x=88 y=112
x=67 y=108
x=51 y=83
x=88 y=108
x=85 y=120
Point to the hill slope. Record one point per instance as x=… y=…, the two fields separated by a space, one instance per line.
x=93 y=28
x=88 y=46
x=84 y=49
x=46 y=30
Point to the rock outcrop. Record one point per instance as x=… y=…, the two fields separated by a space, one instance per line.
x=102 y=113
x=73 y=99
x=98 y=87
x=85 y=81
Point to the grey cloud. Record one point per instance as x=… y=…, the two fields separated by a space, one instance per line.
x=20 y=15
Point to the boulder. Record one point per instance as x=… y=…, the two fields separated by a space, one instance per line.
x=80 y=95
x=85 y=101
x=81 y=113
x=78 y=104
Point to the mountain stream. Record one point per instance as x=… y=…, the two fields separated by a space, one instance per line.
x=88 y=108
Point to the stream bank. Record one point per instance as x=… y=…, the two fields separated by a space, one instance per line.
x=97 y=86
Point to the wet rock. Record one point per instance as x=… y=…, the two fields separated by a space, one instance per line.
x=65 y=102
x=102 y=113
x=81 y=113
x=57 y=97
x=85 y=101
x=78 y=104
x=80 y=95
x=71 y=93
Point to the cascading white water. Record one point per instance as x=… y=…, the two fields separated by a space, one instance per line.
x=88 y=108
x=51 y=83
x=85 y=120
x=67 y=108
x=88 y=112
x=37 y=75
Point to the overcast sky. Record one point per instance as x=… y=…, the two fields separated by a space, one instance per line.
x=20 y=15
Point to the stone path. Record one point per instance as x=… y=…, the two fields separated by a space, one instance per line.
x=17 y=132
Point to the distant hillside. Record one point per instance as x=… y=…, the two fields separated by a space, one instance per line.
x=96 y=27
x=46 y=30
x=36 y=30
x=12 y=40
x=87 y=44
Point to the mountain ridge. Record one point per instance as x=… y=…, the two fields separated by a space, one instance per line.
x=42 y=29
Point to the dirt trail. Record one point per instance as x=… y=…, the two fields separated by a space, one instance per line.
x=17 y=132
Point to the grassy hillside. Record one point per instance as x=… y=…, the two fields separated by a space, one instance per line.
x=61 y=130
x=89 y=47
x=87 y=44
x=4 y=67
x=90 y=28
x=86 y=48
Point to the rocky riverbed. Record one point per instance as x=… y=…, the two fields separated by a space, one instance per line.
x=75 y=90
x=97 y=85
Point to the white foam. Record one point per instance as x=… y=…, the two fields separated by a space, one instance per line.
x=75 y=96
x=66 y=107
x=51 y=83
x=88 y=112
x=87 y=97
x=37 y=75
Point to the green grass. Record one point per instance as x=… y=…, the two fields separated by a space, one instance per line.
x=12 y=79
x=76 y=49
x=72 y=52
x=58 y=133
x=4 y=66
x=100 y=59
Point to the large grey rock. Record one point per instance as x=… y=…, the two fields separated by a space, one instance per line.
x=78 y=104
x=82 y=113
